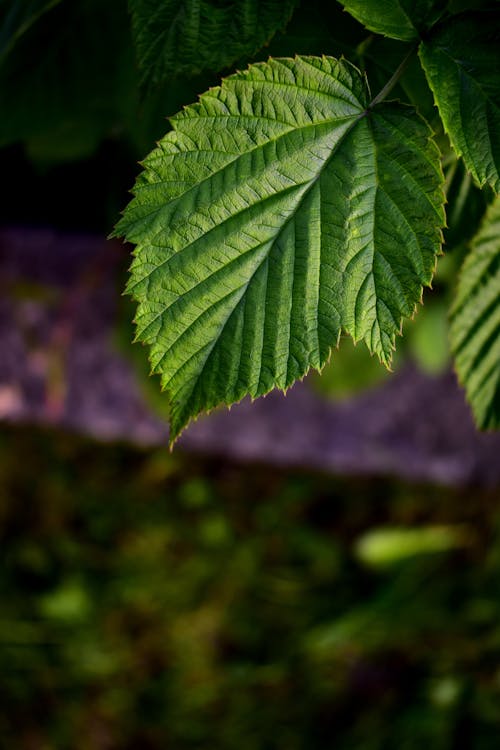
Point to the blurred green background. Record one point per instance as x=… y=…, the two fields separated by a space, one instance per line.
x=159 y=601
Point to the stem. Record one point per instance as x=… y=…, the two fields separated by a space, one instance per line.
x=385 y=91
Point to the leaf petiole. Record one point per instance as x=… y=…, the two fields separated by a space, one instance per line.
x=393 y=80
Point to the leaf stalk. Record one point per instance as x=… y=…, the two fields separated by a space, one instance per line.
x=393 y=80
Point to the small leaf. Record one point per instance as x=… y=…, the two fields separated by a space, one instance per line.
x=280 y=211
x=398 y=19
x=461 y=60
x=475 y=326
x=190 y=36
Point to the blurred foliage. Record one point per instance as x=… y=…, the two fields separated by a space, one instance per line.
x=156 y=601
x=350 y=370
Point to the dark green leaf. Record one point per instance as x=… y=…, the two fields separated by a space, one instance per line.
x=68 y=79
x=399 y=19
x=462 y=63
x=475 y=329
x=189 y=36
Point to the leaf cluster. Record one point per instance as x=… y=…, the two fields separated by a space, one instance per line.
x=304 y=199
x=291 y=205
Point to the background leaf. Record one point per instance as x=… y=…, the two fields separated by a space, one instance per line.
x=399 y=19
x=280 y=211
x=69 y=80
x=475 y=329
x=190 y=36
x=465 y=202
x=462 y=60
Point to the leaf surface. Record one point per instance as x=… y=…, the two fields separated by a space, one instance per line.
x=279 y=211
x=189 y=36
x=462 y=63
x=475 y=326
x=398 y=19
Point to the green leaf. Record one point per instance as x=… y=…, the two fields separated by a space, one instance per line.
x=189 y=36
x=64 y=92
x=475 y=325
x=398 y=19
x=281 y=210
x=462 y=60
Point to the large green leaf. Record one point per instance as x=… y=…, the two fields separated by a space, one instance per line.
x=475 y=328
x=399 y=19
x=188 y=36
x=279 y=211
x=462 y=63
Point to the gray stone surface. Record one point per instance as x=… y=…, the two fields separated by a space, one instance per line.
x=59 y=366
